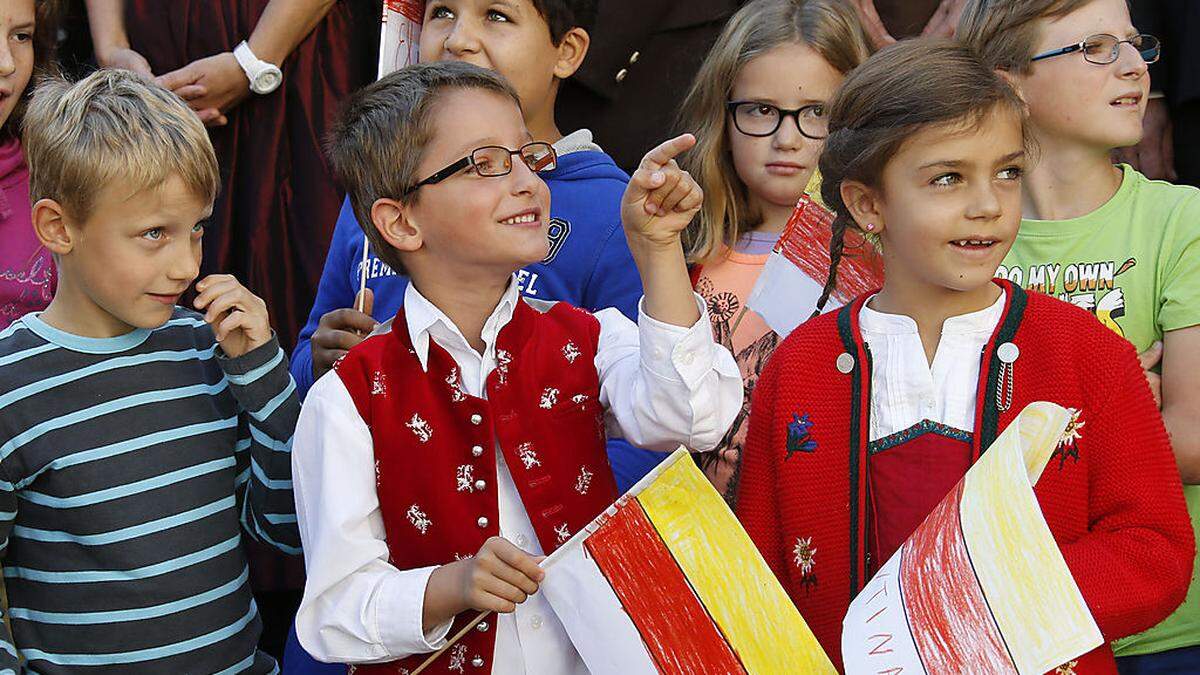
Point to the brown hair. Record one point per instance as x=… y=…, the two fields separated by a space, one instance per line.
x=1005 y=32
x=45 y=46
x=381 y=134
x=902 y=90
x=112 y=126
x=831 y=27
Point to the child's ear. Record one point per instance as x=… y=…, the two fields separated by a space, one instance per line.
x=864 y=205
x=50 y=225
x=394 y=221
x=571 y=52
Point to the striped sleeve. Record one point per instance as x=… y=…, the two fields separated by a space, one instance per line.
x=9 y=662
x=264 y=389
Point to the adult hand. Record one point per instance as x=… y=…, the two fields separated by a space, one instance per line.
x=876 y=31
x=944 y=21
x=340 y=330
x=223 y=81
x=126 y=58
x=1154 y=156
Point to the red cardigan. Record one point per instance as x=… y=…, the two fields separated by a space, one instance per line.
x=1113 y=500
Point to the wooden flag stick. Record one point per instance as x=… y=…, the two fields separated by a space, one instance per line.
x=362 y=276
x=450 y=643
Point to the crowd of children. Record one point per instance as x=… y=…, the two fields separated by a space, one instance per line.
x=510 y=331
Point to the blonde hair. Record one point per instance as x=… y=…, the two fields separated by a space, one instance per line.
x=112 y=126
x=831 y=27
x=1004 y=33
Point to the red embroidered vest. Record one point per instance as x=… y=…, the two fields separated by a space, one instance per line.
x=435 y=447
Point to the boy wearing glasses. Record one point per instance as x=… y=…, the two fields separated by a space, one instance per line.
x=466 y=438
x=1105 y=237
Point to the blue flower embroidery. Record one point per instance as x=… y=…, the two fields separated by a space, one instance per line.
x=798 y=439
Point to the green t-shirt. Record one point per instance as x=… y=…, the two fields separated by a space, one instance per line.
x=1135 y=263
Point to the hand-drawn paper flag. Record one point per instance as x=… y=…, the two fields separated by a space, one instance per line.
x=667 y=581
x=398 y=41
x=794 y=275
x=981 y=584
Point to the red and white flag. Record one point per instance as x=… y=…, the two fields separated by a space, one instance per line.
x=794 y=275
x=399 y=36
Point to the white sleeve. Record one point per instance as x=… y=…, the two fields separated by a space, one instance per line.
x=665 y=386
x=357 y=608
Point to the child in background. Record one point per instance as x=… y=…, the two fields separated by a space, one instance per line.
x=26 y=267
x=759 y=111
x=465 y=438
x=866 y=417
x=139 y=439
x=1105 y=237
x=535 y=45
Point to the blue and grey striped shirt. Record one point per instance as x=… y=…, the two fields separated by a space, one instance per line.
x=129 y=468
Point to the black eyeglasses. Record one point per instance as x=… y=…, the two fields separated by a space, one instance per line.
x=754 y=118
x=496 y=160
x=1103 y=49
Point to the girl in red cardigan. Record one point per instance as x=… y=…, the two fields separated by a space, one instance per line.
x=866 y=417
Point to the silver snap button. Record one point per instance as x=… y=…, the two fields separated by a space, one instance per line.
x=476 y=419
x=482 y=522
x=621 y=75
x=536 y=621
x=477 y=662
x=1008 y=352
x=845 y=363
x=482 y=627
x=634 y=57
x=477 y=451
x=480 y=484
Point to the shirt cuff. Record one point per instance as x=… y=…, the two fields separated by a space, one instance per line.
x=251 y=360
x=399 y=612
x=675 y=353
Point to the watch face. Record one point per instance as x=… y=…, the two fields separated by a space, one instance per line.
x=267 y=81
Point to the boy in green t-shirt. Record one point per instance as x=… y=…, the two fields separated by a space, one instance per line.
x=1105 y=237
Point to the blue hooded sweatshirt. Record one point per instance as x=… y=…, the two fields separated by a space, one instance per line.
x=588 y=265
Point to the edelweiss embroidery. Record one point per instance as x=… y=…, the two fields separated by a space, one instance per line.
x=798 y=439
x=579 y=399
x=570 y=352
x=804 y=555
x=420 y=427
x=466 y=478
x=561 y=533
x=1067 y=446
x=378 y=384
x=458 y=658
x=456 y=393
x=1066 y=668
x=549 y=398
x=584 y=482
x=528 y=457
x=418 y=518
x=503 y=360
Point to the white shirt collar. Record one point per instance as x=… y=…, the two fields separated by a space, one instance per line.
x=424 y=319
x=981 y=321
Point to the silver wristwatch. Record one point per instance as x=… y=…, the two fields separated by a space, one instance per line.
x=264 y=77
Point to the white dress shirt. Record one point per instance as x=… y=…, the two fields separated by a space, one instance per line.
x=905 y=388
x=661 y=386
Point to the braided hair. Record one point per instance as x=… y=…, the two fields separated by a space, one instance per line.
x=898 y=92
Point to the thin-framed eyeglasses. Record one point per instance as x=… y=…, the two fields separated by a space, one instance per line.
x=755 y=118
x=496 y=160
x=1103 y=49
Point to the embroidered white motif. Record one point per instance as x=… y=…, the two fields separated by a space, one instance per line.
x=1066 y=668
x=528 y=457
x=420 y=427
x=456 y=393
x=378 y=478
x=571 y=352
x=579 y=399
x=418 y=518
x=466 y=478
x=549 y=398
x=584 y=481
x=803 y=554
x=378 y=384
x=561 y=533
x=1072 y=433
x=503 y=359
x=458 y=658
